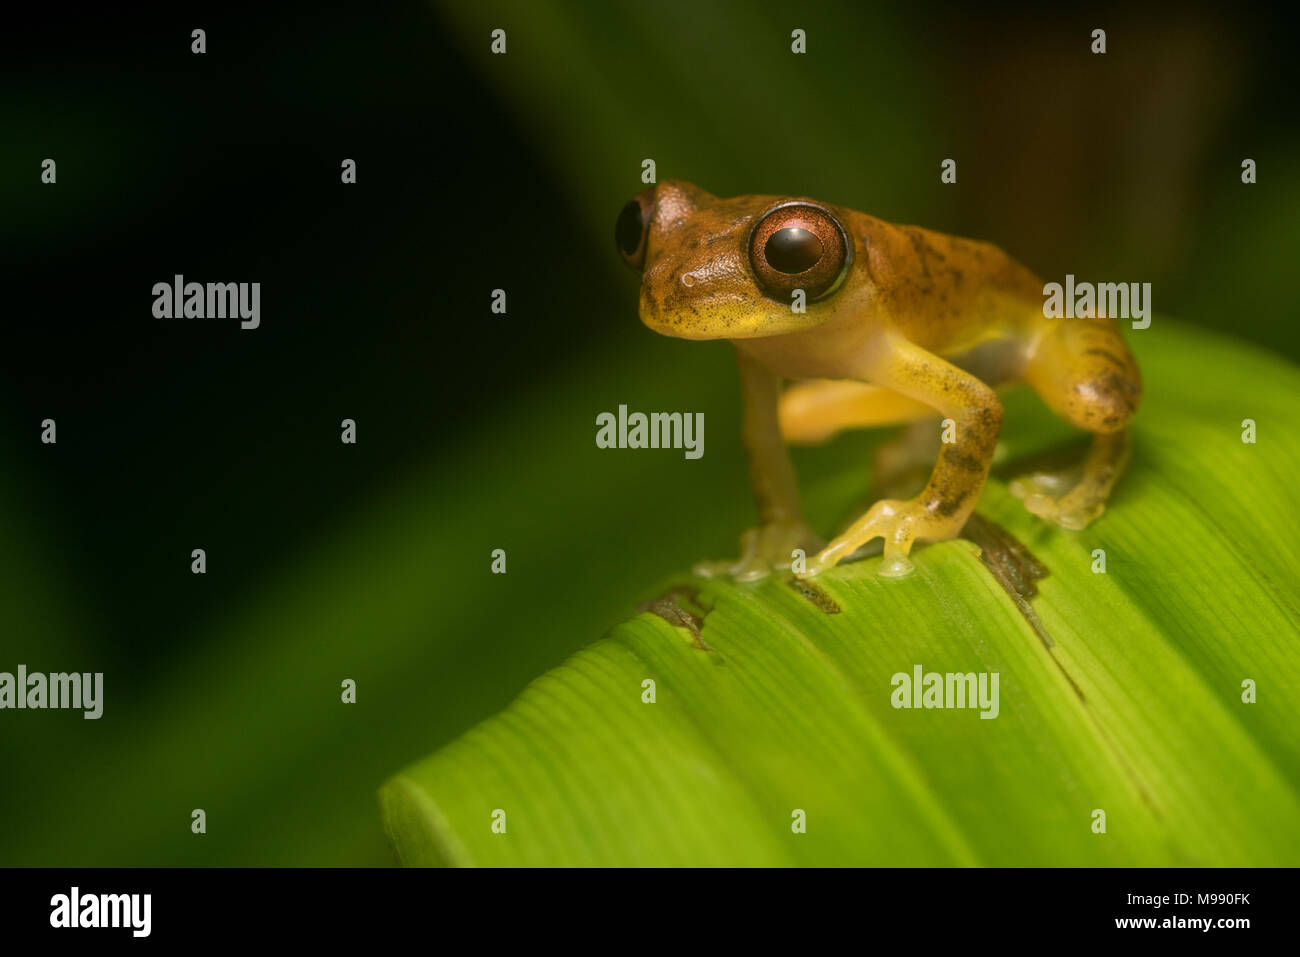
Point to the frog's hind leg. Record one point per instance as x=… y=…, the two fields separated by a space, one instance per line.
x=1085 y=373
x=1088 y=487
x=819 y=409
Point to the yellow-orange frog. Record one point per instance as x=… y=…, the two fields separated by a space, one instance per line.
x=897 y=324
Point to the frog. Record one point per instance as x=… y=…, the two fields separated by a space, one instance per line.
x=840 y=320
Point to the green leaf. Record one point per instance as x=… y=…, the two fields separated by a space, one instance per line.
x=1119 y=691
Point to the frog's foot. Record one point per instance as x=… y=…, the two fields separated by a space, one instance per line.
x=762 y=551
x=1075 y=498
x=1051 y=496
x=1069 y=511
x=899 y=523
x=1046 y=494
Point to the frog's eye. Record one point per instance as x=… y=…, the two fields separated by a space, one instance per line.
x=633 y=228
x=799 y=245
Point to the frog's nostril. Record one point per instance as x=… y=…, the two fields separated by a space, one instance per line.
x=633 y=227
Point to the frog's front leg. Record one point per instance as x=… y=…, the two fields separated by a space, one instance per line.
x=782 y=529
x=942 y=507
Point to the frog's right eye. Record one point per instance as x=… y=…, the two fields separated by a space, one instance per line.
x=799 y=245
x=633 y=228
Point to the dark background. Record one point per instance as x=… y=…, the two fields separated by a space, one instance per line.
x=475 y=431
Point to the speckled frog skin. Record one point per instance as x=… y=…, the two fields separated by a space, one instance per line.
x=900 y=324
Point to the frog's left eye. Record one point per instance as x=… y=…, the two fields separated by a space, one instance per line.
x=799 y=245
x=633 y=228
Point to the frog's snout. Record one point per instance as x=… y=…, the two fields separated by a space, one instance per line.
x=633 y=228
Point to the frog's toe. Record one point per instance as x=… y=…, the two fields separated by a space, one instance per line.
x=1077 y=518
x=744 y=570
x=1036 y=503
x=712 y=569
x=1044 y=484
x=752 y=570
x=1064 y=511
x=813 y=567
x=1076 y=515
x=895 y=566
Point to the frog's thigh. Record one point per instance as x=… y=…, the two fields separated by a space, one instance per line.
x=1083 y=370
x=817 y=410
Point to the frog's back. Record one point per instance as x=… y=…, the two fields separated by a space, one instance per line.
x=943 y=292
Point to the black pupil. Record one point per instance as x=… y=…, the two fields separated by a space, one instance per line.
x=627 y=231
x=793 y=250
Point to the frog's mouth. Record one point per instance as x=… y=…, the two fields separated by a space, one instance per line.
x=718 y=317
